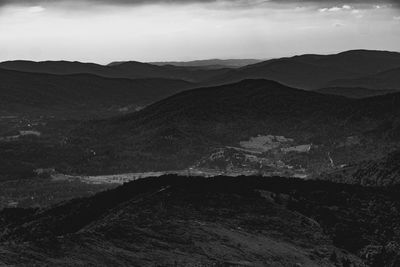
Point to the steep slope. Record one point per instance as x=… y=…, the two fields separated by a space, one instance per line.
x=23 y=93
x=354 y=92
x=386 y=80
x=224 y=221
x=131 y=70
x=309 y=130
x=316 y=71
x=381 y=172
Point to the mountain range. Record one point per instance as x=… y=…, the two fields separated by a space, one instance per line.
x=303 y=153
x=369 y=69
x=129 y=70
x=251 y=125
x=210 y=63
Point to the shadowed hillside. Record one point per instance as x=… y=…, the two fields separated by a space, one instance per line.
x=79 y=95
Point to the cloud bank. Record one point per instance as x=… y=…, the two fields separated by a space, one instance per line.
x=167 y=30
x=332 y=3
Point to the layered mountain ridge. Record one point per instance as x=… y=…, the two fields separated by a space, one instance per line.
x=311 y=72
x=356 y=68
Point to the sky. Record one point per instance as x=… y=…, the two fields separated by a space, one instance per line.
x=103 y=31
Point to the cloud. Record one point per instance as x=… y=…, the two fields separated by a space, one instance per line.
x=36 y=9
x=357 y=13
x=338 y=25
x=335 y=8
x=335 y=4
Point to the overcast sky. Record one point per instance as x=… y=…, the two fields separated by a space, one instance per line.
x=159 y=30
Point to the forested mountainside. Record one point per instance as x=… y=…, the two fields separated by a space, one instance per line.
x=305 y=130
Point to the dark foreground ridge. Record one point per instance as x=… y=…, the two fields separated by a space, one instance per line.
x=221 y=221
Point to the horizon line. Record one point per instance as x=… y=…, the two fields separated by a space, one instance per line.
x=199 y=59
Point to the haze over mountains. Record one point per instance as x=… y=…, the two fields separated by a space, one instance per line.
x=378 y=70
x=130 y=70
x=210 y=63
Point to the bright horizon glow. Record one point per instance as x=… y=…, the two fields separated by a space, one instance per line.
x=181 y=32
